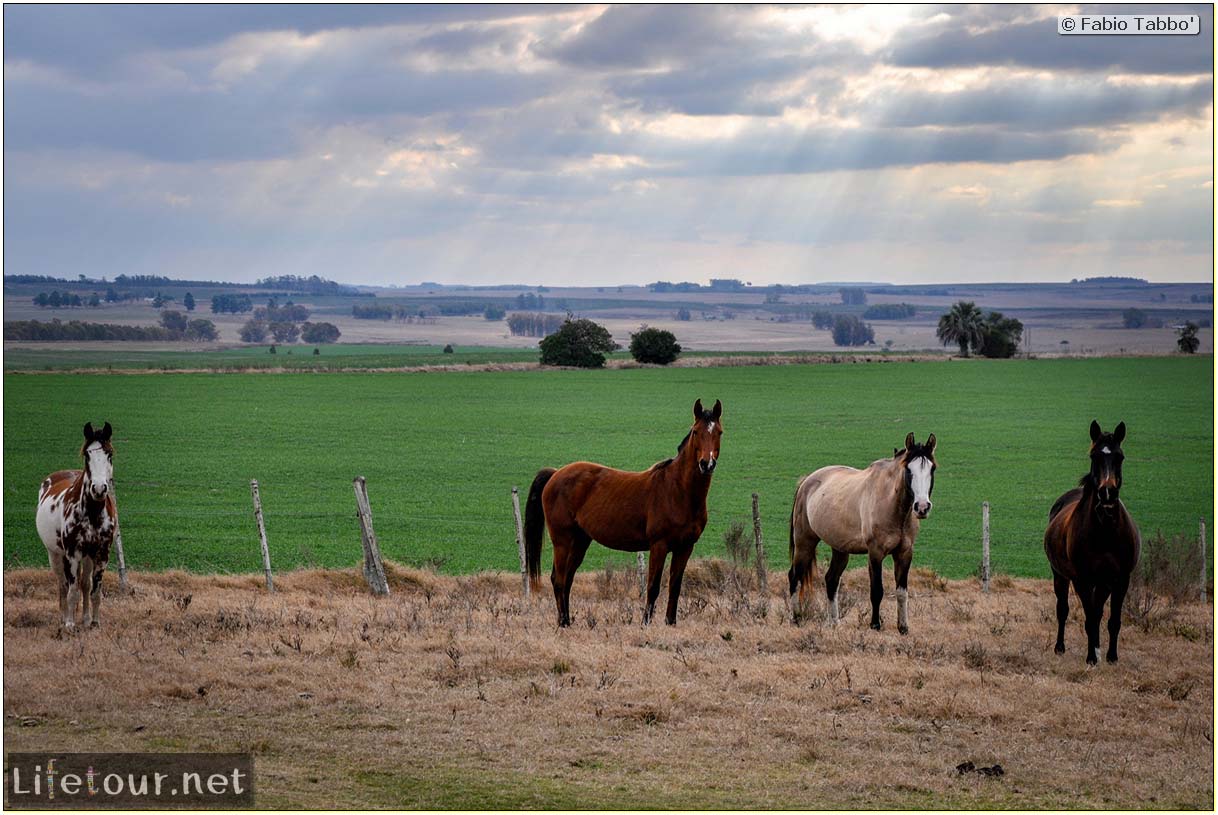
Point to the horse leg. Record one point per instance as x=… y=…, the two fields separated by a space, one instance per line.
x=901 y=560
x=86 y=588
x=875 y=566
x=1061 y=587
x=1114 y=615
x=71 y=571
x=61 y=581
x=655 y=571
x=579 y=548
x=558 y=575
x=834 y=574
x=1093 y=608
x=675 y=572
x=98 y=570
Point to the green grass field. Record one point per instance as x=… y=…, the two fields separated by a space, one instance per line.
x=442 y=451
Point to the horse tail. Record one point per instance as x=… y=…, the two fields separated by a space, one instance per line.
x=534 y=525
x=792 y=577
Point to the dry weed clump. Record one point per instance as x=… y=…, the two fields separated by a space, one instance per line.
x=459 y=692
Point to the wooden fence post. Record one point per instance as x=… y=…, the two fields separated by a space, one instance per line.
x=266 y=551
x=762 y=570
x=524 y=571
x=118 y=546
x=374 y=569
x=1205 y=572
x=641 y=565
x=985 y=546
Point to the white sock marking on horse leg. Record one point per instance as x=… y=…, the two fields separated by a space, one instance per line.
x=833 y=615
x=902 y=616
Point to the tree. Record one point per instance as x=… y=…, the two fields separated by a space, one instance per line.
x=853 y=296
x=655 y=346
x=850 y=330
x=41 y=299
x=94 y=300
x=683 y=315
x=494 y=313
x=189 y=301
x=1133 y=317
x=174 y=320
x=578 y=343
x=253 y=331
x=1001 y=336
x=1188 y=342
x=202 y=331
x=285 y=332
x=319 y=333
x=54 y=300
x=962 y=325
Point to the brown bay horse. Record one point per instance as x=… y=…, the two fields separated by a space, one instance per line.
x=875 y=512
x=77 y=520
x=1093 y=543
x=660 y=510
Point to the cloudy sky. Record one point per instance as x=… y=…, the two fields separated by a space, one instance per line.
x=603 y=144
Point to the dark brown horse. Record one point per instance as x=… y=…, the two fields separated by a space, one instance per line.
x=659 y=510
x=1093 y=543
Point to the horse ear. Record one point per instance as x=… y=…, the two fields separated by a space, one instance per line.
x=1095 y=430
x=88 y=431
x=698 y=410
x=716 y=411
x=1119 y=434
x=106 y=430
x=930 y=443
x=896 y=451
x=909 y=442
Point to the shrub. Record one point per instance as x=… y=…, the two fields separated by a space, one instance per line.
x=448 y=349
x=1133 y=317
x=1188 y=342
x=254 y=331
x=1000 y=335
x=850 y=330
x=285 y=332
x=1167 y=574
x=655 y=346
x=577 y=343
x=174 y=321
x=201 y=331
x=319 y=333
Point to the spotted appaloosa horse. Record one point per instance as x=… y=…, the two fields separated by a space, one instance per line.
x=660 y=510
x=77 y=520
x=875 y=512
x=1092 y=542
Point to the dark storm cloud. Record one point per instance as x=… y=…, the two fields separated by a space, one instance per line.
x=92 y=38
x=1040 y=104
x=962 y=41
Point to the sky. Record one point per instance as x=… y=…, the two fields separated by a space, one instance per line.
x=592 y=145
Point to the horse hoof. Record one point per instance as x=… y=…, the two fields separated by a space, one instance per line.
x=1092 y=662
x=875 y=626
x=1059 y=648
x=95 y=624
x=904 y=629
x=1112 y=658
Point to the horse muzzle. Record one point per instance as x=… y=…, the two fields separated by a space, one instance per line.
x=922 y=510
x=706 y=466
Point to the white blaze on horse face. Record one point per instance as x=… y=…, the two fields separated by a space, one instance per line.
x=100 y=469
x=921 y=477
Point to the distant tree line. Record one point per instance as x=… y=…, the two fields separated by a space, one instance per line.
x=65 y=300
x=289 y=312
x=77 y=331
x=182 y=327
x=890 y=311
x=311 y=285
x=231 y=303
x=534 y=324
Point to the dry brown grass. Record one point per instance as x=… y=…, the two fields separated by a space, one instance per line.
x=456 y=692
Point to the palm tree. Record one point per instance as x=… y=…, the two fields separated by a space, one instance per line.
x=962 y=325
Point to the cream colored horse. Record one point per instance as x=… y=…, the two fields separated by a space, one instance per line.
x=875 y=512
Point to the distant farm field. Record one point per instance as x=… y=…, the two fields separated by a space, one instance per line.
x=441 y=451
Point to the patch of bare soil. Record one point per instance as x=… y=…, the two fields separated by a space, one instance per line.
x=458 y=692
